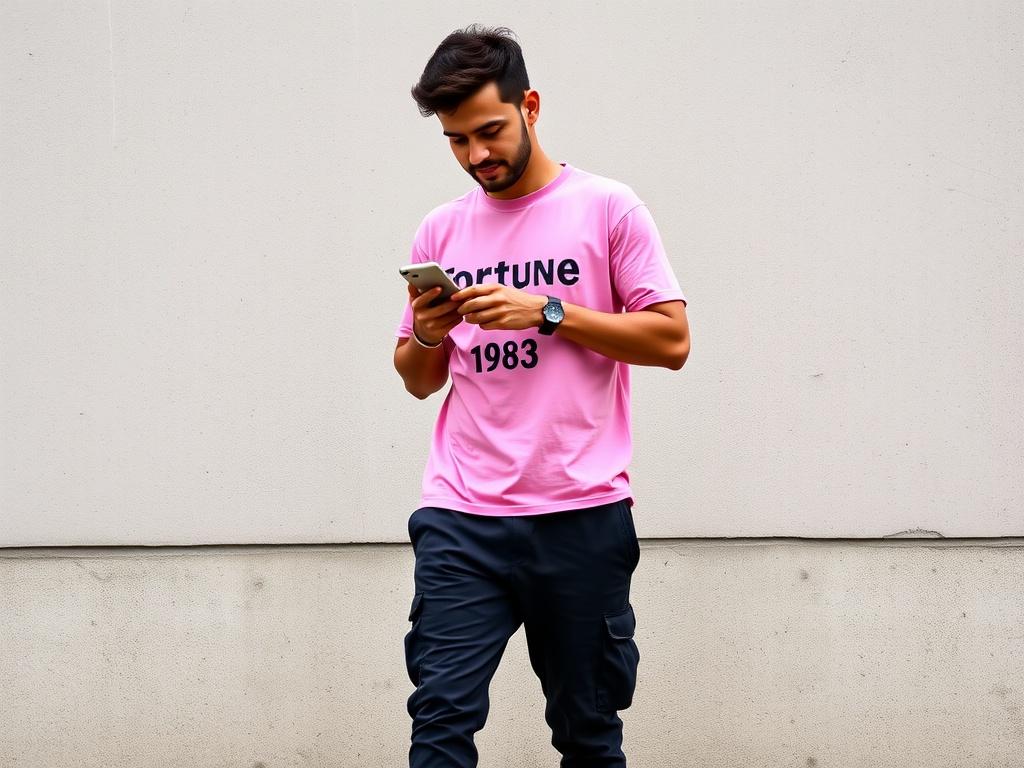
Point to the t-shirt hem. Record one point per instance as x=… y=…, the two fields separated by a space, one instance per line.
x=484 y=510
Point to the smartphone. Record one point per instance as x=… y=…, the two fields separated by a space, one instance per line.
x=427 y=275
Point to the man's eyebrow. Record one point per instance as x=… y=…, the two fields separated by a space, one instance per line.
x=484 y=127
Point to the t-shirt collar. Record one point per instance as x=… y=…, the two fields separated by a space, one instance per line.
x=518 y=203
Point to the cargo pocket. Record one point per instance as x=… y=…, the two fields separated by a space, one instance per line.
x=412 y=644
x=618 y=666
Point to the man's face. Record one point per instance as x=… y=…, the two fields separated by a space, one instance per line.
x=489 y=138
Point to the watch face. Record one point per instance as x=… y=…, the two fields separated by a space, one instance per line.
x=554 y=313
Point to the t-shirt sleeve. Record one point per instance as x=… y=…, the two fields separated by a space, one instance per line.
x=640 y=270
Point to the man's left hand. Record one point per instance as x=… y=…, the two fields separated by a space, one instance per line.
x=498 y=307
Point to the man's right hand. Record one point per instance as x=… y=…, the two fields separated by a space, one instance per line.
x=432 y=324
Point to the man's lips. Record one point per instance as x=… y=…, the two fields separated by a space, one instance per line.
x=488 y=169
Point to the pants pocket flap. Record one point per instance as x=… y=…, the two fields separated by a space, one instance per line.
x=621 y=626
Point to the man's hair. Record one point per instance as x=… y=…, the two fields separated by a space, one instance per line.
x=466 y=61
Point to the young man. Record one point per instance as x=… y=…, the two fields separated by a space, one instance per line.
x=525 y=515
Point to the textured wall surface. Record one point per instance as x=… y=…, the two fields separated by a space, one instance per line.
x=894 y=654
x=204 y=207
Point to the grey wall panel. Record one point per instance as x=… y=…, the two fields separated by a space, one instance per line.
x=752 y=653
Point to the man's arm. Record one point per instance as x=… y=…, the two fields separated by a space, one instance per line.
x=658 y=334
x=424 y=370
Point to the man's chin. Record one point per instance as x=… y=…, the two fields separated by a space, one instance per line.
x=498 y=184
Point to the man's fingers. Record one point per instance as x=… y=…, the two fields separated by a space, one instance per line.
x=423 y=299
x=440 y=311
x=481 y=318
x=478 y=304
x=476 y=290
x=437 y=328
x=438 y=324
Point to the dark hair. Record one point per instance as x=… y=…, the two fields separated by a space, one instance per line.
x=465 y=62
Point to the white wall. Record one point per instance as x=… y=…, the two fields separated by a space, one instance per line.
x=204 y=205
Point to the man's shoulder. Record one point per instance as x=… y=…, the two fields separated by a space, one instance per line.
x=599 y=183
x=618 y=197
x=450 y=208
x=441 y=217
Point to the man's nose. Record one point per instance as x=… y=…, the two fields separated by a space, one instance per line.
x=478 y=152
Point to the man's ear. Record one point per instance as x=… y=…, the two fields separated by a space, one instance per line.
x=531 y=106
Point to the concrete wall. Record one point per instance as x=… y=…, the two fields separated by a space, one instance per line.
x=762 y=654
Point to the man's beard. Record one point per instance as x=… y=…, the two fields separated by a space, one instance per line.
x=515 y=170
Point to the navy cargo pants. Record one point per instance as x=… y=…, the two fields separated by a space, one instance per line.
x=565 y=576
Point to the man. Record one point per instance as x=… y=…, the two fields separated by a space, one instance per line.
x=525 y=515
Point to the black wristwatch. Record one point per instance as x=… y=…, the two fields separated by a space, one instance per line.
x=553 y=315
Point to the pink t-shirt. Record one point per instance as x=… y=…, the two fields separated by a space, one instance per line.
x=536 y=424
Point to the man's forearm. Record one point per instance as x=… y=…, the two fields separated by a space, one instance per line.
x=647 y=337
x=423 y=370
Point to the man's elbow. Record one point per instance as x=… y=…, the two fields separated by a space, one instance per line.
x=419 y=394
x=676 y=340
x=416 y=388
x=678 y=355
x=420 y=389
